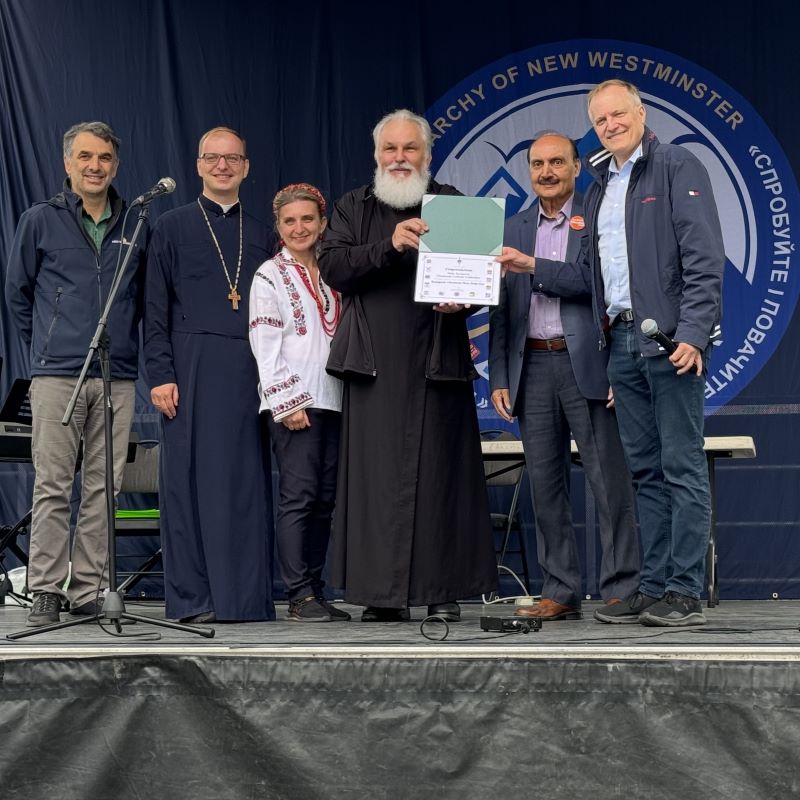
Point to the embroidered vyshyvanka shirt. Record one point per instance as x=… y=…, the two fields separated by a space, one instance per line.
x=289 y=340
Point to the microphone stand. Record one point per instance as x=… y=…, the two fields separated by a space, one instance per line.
x=113 y=608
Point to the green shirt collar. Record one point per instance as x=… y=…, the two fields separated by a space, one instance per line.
x=97 y=230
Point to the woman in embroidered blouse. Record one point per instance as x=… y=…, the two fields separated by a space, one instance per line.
x=293 y=316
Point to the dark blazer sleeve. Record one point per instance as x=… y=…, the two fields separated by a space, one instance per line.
x=498 y=341
x=571 y=278
x=564 y=278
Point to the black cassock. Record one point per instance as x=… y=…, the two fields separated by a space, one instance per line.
x=411 y=525
x=215 y=499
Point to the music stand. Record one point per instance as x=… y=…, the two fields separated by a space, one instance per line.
x=15 y=428
x=113 y=608
x=17 y=405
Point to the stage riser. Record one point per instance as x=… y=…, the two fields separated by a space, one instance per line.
x=217 y=728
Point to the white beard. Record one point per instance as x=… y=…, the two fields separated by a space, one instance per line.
x=401 y=193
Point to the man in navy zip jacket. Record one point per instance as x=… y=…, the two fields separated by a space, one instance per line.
x=60 y=269
x=655 y=251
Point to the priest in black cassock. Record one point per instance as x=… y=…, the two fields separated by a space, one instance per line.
x=412 y=524
x=216 y=519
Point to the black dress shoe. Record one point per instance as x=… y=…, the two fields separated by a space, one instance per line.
x=376 y=614
x=205 y=618
x=451 y=612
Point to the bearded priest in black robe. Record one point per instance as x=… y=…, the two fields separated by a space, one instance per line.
x=411 y=526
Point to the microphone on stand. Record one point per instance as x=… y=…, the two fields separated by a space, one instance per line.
x=651 y=330
x=164 y=186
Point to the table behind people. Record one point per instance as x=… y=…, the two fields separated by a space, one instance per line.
x=293 y=316
x=411 y=524
x=61 y=250
x=214 y=483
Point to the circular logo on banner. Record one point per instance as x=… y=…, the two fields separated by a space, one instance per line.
x=483 y=127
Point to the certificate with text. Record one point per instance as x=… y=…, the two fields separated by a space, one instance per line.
x=456 y=262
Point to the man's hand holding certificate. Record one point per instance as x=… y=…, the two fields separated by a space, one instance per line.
x=406 y=234
x=456 y=261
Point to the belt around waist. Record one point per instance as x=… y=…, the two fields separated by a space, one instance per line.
x=546 y=344
x=623 y=316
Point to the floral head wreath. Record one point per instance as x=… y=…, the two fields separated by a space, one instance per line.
x=306 y=187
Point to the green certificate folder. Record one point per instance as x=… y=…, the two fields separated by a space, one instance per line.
x=456 y=256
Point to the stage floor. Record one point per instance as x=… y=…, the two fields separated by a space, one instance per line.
x=736 y=630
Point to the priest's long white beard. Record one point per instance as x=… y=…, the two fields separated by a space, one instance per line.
x=401 y=193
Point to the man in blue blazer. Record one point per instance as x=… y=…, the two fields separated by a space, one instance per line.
x=546 y=367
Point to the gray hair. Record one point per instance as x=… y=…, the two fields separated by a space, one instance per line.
x=98 y=129
x=407 y=116
x=629 y=88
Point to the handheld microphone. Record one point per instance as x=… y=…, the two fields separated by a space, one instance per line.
x=651 y=331
x=164 y=186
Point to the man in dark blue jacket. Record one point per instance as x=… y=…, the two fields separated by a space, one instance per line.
x=545 y=367
x=655 y=252
x=60 y=269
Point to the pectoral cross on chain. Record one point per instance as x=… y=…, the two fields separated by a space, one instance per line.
x=234 y=297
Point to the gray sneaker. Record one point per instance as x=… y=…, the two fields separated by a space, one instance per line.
x=46 y=610
x=674 y=611
x=627 y=611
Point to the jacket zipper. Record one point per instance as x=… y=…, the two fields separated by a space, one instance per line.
x=601 y=342
x=59 y=292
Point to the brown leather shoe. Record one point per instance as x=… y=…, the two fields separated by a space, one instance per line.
x=548 y=611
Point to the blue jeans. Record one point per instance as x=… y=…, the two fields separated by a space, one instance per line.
x=660 y=416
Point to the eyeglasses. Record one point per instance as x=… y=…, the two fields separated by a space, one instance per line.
x=232 y=159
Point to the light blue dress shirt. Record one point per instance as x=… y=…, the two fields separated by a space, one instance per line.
x=612 y=238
